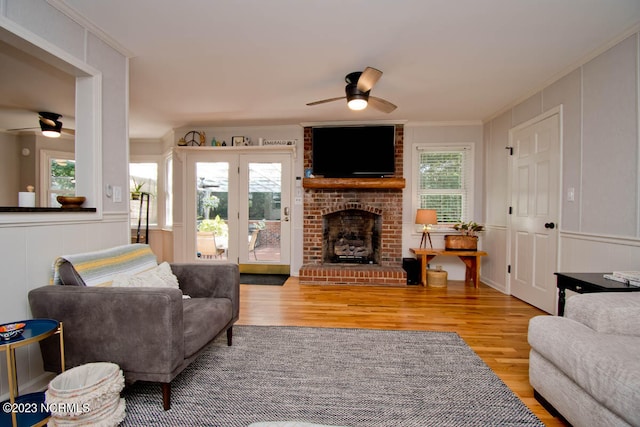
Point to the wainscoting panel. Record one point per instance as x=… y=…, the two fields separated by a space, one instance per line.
x=493 y=270
x=593 y=253
x=26 y=256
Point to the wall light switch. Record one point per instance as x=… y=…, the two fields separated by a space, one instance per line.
x=117 y=194
x=571 y=194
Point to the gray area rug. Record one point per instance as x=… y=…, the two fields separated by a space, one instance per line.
x=346 y=377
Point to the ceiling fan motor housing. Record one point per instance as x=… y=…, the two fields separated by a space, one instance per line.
x=352 y=90
x=49 y=122
x=354 y=93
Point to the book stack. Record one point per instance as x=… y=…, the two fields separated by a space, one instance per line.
x=631 y=278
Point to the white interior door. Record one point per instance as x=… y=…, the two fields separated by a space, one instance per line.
x=535 y=187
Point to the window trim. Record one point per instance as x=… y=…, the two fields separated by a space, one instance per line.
x=45 y=178
x=415 y=181
x=159 y=160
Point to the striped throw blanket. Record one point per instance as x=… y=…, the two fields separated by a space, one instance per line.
x=98 y=268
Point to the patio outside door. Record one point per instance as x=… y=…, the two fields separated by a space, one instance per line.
x=239 y=210
x=264 y=213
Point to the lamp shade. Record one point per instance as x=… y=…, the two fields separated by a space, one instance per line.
x=426 y=216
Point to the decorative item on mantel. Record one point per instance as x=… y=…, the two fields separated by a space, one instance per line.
x=279 y=141
x=467 y=240
x=193 y=138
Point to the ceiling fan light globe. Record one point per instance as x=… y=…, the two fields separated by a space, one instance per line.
x=51 y=133
x=357 y=104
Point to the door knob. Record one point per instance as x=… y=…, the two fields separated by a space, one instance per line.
x=549 y=225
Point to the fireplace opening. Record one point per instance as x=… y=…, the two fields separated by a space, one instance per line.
x=351 y=236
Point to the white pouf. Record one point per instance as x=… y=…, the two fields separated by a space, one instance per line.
x=87 y=395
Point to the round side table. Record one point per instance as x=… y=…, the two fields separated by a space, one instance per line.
x=27 y=409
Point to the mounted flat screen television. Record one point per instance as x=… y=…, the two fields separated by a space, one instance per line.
x=353 y=151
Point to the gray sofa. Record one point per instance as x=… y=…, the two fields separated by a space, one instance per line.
x=152 y=333
x=586 y=365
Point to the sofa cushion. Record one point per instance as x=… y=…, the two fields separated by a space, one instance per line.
x=606 y=366
x=203 y=319
x=609 y=313
x=99 y=267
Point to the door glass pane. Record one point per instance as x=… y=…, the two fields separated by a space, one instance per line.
x=265 y=192
x=212 y=210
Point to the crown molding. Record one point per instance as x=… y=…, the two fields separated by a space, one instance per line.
x=63 y=7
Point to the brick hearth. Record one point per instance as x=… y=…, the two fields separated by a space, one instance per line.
x=381 y=201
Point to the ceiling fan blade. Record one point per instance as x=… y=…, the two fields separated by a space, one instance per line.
x=368 y=79
x=69 y=131
x=327 y=100
x=381 y=104
x=47 y=121
x=19 y=129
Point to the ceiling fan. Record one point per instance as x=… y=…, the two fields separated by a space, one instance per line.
x=50 y=125
x=359 y=85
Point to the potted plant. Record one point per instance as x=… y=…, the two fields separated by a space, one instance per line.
x=467 y=240
x=216 y=226
x=210 y=203
x=135 y=190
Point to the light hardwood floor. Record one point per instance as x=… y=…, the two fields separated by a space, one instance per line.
x=493 y=324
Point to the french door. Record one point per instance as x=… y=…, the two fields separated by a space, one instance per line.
x=238 y=209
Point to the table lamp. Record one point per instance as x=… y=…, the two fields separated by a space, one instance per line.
x=426 y=217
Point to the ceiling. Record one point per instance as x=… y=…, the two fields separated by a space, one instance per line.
x=254 y=62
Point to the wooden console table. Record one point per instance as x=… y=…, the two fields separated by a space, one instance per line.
x=471 y=260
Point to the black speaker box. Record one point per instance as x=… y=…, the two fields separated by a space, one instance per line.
x=412 y=267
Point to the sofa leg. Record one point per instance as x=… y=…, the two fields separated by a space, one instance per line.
x=229 y=336
x=549 y=407
x=166 y=396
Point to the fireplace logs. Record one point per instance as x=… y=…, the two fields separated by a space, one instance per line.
x=351 y=236
x=346 y=249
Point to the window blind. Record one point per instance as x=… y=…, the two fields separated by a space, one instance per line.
x=445 y=181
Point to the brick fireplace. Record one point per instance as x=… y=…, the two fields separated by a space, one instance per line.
x=378 y=201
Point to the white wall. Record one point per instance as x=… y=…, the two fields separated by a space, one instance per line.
x=599 y=231
x=9 y=173
x=435 y=133
x=29 y=248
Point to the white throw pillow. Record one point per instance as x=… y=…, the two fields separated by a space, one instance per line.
x=157 y=277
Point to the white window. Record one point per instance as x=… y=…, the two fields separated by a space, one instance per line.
x=445 y=181
x=60 y=178
x=143 y=180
